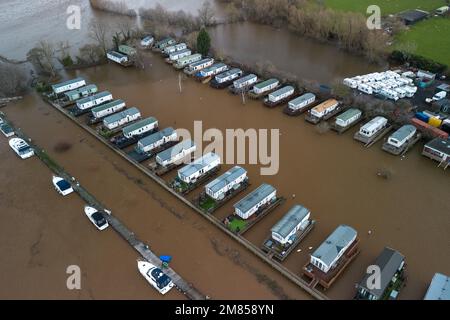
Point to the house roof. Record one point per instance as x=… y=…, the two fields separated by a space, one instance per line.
x=198 y=164
x=389 y=262
x=142 y=123
x=253 y=198
x=439 y=288
x=290 y=220
x=120 y=115
x=107 y=105
x=154 y=137
x=176 y=149
x=335 y=243
x=226 y=178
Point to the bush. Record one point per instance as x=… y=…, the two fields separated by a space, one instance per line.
x=203 y=42
x=67 y=61
x=417 y=61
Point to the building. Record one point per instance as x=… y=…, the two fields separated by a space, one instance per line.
x=213 y=70
x=228 y=75
x=164 y=43
x=82 y=92
x=326 y=256
x=94 y=100
x=117 y=57
x=252 y=202
x=179 y=54
x=324 y=108
x=439 y=288
x=156 y=140
x=230 y=180
x=391 y=264
x=281 y=94
x=437 y=149
x=410 y=17
x=176 y=153
x=129 y=51
x=68 y=85
x=296 y=219
x=301 y=102
x=147 y=41
x=245 y=81
x=199 y=167
x=108 y=108
x=183 y=62
x=175 y=48
x=204 y=63
x=116 y=120
x=265 y=86
x=140 y=127
x=402 y=135
x=348 y=117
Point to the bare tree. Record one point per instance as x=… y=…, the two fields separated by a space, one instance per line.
x=206 y=14
x=12 y=80
x=90 y=53
x=43 y=58
x=98 y=32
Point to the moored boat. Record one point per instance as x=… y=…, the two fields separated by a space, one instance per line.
x=21 y=148
x=62 y=186
x=154 y=275
x=96 y=217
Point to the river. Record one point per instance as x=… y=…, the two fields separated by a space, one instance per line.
x=331 y=175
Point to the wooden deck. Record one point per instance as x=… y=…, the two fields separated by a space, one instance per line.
x=368 y=142
x=182 y=285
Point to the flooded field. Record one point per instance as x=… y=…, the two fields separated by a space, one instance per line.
x=334 y=176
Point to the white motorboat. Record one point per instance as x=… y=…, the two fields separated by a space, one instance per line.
x=96 y=217
x=62 y=186
x=21 y=148
x=154 y=275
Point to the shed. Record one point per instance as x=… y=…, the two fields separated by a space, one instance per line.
x=410 y=17
x=295 y=219
x=331 y=250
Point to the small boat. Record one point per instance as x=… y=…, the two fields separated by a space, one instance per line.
x=96 y=218
x=21 y=148
x=62 y=186
x=6 y=129
x=154 y=275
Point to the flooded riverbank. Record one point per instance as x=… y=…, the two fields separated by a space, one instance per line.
x=332 y=175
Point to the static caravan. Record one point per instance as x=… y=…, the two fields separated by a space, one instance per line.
x=442 y=10
x=68 y=85
x=366 y=88
x=390 y=94
x=199 y=167
x=176 y=153
x=326 y=256
x=117 y=57
x=141 y=127
x=147 y=41
x=175 y=48
x=265 y=86
x=184 y=61
x=402 y=136
x=401 y=92
x=156 y=140
x=439 y=288
x=245 y=81
x=129 y=51
x=348 y=117
x=82 y=92
x=116 y=120
x=296 y=219
x=179 y=54
x=164 y=43
x=108 y=108
x=437 y=149
x=218 y=188
x=279 y=95
x=352 y=83
x=301 y=102
x=324 y=108
x=95 y=100
x=213 y=70
x=199 y=65
x=252 y=202
x=228 y=75
x=373 y=127
x=410 y=91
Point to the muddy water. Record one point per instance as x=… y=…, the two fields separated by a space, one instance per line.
x=307 y=59
x=332 y=175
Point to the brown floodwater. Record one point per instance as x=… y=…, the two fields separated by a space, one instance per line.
x=334 y=176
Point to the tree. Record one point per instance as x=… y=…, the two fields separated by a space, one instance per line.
x=98 y=33
x=43 y=58
x=203 y=42
x=12 y=80
x=206 y=14
x=90 y=53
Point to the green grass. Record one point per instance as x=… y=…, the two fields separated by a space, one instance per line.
x=387 y=6
x=429 y=38
x=236 y=224
x=208 y=203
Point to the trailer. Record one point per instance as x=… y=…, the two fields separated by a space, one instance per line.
x=300 y=104
x=279 y=96
x=98 y=113
x=224 y=79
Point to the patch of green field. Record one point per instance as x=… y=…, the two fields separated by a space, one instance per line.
x=208 y=203
x=429 y=38
x=387 y=6
x=237 y=224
